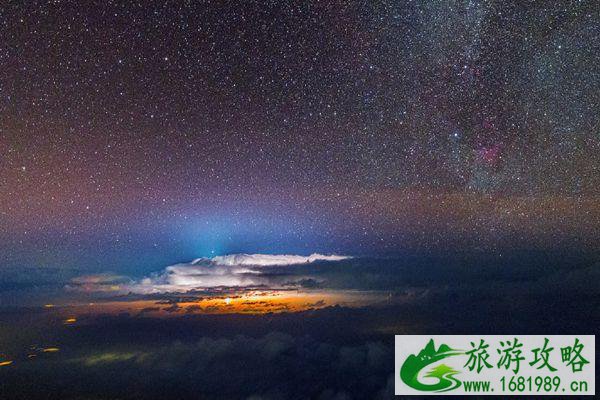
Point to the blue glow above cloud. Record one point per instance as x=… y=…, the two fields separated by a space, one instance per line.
x=254 y=229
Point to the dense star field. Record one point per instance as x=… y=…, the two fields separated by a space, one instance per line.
x=431 y=156
x=137 y=128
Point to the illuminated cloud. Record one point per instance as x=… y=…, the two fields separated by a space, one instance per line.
x=268 y=259
x=230 y=270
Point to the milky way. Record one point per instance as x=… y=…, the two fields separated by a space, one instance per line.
x=138 y=133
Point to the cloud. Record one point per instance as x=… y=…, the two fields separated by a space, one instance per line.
x=276 y=365
x=105 y=282
x=109 y=358
x=268 y=259
x=99 y=279
x=329 y=353
x=234 y=270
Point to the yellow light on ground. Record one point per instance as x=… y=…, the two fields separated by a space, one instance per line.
x=70 y=320
x=4 y=363
x=51 y=350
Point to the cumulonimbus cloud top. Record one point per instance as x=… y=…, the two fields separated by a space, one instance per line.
x=228 y=270
x=268 y=259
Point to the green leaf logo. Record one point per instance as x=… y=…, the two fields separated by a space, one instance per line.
x=409 y=371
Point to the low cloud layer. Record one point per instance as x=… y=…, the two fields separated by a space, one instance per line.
x=271 y=366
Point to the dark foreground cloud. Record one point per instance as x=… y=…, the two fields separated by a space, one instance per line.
x=273 y=366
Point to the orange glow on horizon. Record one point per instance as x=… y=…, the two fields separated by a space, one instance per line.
x=243 y=302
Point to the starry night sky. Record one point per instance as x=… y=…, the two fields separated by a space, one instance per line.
x=134 y=134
